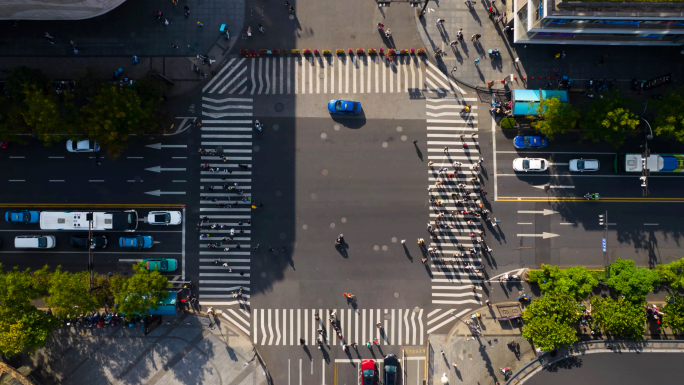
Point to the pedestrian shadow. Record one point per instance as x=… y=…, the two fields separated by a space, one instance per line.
x=307 y=351
x=418 y=152
x=382 y=354
x=458 y=57
x=356 y=350
x=407 y=253
x=475 y=15
x=464 y=47
x=342 y=249
x=326 y=356
x=351 y=359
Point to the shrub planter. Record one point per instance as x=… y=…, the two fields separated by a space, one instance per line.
x=508 y=123
x=372 y=51
x=276 y=51
x=263 y=51
x=404 y=52
x=351 y=51
x=339 y=51
x=244 y=52
x=392 y=51
x=295 y=51
x=360 y=51
x=421 y=51
x=315 y=51
x=306 y=51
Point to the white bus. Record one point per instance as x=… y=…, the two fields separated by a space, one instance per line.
x=79 y=220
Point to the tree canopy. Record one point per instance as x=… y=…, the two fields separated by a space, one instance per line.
x=632 y=282
x=576 y=282
x=669 y=118
x=620 y=317
x=555 y=117
x=673 y=310
x=69 y=294
x=141 y=292
x=549 y=321
x=22 y=326
x=609 y=119
x=671 y=274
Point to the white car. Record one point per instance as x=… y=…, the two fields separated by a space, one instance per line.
x=164 y=218
x=83 y=146
x=582 y=165
x=530 y=164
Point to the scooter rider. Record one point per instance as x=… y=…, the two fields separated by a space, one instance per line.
x=257 y=124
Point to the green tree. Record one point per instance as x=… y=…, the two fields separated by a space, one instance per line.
x=669 y=118
x=21 y=77
x=152 y=92
x=620 y=317
x=609 y=119
x=88 y=83
x=554 y=117
x=549 y=321
x=576 y=282
x=13 y=127
x=141 y=292
x=112 y=116
x=671 y=275
x=22 y=326
x=69 y=294
x=673 y=310
x=46 y=115
x=632 y=282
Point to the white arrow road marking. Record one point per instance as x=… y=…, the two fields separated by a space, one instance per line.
x=545 y=212
x=551 y=186
x=159 y=146
x=159 y=192
x=160 y=169
x=543 y=235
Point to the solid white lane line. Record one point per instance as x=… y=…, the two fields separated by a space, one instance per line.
x=55 y=157
x=524 y=223
x=17 y=157
x=17 y=180
x=56 y=180
x=96 y=180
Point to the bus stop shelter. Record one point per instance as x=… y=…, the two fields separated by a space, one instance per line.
x=526 y=102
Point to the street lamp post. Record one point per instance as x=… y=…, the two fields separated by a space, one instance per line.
x=649 y=136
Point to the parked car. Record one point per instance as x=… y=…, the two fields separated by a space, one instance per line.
x=82 y=146
x=22 y=216
x=582 y=165
x=161 y=264
x=530 y=164
x=344 y=107
x=136 y=242
x=164 y=218
x=528 y=141
x=82 y=242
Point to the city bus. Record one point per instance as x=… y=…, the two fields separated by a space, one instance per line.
x=655 y=163
x=80 y=220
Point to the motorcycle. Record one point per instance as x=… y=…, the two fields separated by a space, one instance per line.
x=257 y=125
x=592 y=197
x=339 y=240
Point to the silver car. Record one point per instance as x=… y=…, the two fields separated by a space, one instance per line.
x=581 y=165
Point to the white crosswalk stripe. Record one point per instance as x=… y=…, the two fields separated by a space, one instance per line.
x=225 y=206
x=288 y=326
x=454 y=252
x=328 y=74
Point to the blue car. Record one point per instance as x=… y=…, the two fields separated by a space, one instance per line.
x=344 y=107
x=530 y=141
x=136 y=242
x=22 y=216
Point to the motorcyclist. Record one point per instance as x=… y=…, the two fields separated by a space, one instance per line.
x=257 y=124
x=339 y=240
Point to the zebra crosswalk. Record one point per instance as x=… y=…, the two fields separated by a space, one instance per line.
x=225 y=203
x=328 y=74
x=456 y=206
x=290 y=326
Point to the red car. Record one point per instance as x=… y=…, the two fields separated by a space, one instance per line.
x=369 y=374
x=3 y=144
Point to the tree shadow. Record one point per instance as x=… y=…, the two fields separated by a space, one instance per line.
x=570 y=362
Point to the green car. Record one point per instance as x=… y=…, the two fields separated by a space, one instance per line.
x=162 y=264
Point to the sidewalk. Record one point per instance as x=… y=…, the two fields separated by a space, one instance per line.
x=478 y=358
x=536 y=60
x=180 y=351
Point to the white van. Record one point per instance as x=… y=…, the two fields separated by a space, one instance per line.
x=35 y=242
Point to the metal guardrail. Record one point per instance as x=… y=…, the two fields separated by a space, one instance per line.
x=588 y=347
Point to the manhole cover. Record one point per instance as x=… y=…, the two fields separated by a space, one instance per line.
x=276 y=127
x=386 y=316
x=416 y=309
x=396 y=294
x=279 y=107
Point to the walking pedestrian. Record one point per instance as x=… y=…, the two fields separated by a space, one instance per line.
x=200 y=25
x=75 y=51
x=476 y=36
x=453 y=43
x=175 y=2
x=375 y=341
x=261 y=28
x=302 y=341
x=380 y=26
x=440 y=22
x=291 y=9
x=50 y=38
x=166 y=22
x=270 y=250
x=446 y=149
x=257 y=246
x=174 y=46
x=388 y=33
x=368 y=344
x=415 y=142
x=160 y=15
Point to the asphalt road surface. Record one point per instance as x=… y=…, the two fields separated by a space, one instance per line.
x=612 y=369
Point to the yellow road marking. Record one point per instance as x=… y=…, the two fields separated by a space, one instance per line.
x=335 y=381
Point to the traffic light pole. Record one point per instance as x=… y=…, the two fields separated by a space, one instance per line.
x=603 y=220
